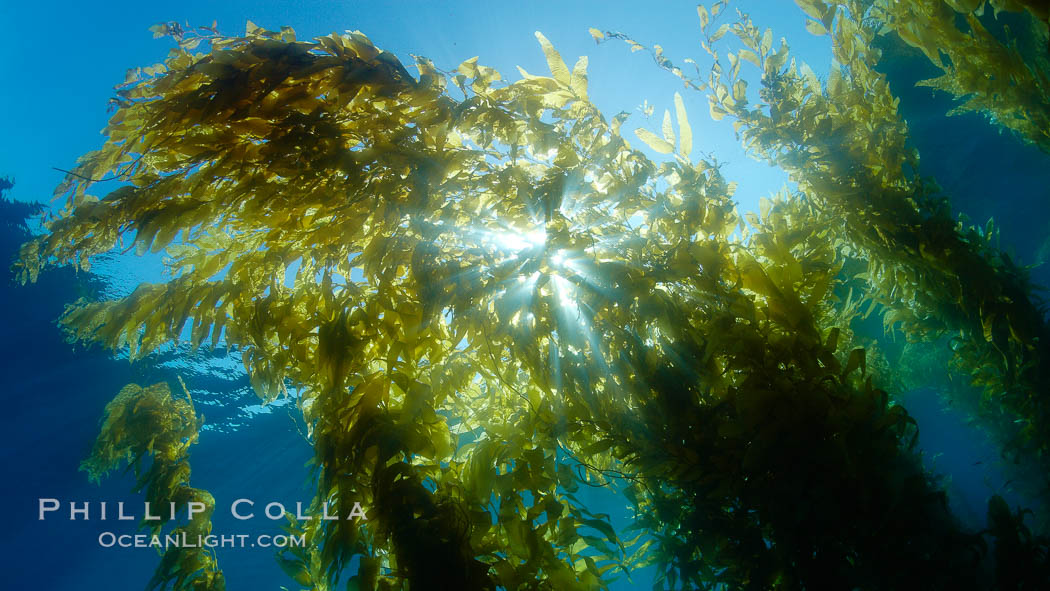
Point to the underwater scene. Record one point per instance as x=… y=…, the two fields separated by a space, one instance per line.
x=410 y=295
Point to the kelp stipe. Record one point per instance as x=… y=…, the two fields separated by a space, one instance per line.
x=151 y=431
x=1022 y=558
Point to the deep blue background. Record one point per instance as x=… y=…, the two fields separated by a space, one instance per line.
x=53 y=400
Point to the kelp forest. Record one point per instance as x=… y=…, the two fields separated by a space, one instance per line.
x=482 y=295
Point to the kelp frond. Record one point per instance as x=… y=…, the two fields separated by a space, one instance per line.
x=151 y=430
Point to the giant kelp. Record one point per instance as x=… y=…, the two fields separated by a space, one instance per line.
x=796 y=474
x=998 y=70
x=845 y=145
x=478 y=303
x=151 y=431
x=389 y=175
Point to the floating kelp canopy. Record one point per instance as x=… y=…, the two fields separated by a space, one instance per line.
x=479 y=303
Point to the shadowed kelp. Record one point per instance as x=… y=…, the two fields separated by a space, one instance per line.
x=846 y=147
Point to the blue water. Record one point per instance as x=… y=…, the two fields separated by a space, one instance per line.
x=53 y=399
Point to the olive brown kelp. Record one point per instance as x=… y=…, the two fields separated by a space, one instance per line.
x=796 y=473
x=846 y=147
x=151 y=431
x=480 y=303
x=961 y=283
x=270 y=169
x=1002 y=74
